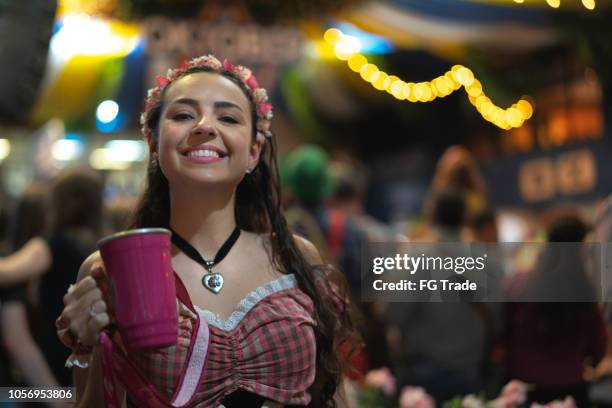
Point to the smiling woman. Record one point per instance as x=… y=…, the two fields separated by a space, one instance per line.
x=276 y=317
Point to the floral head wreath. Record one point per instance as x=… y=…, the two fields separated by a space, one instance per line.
x=260 y=96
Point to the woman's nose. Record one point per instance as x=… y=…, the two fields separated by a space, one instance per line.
x=204 y=127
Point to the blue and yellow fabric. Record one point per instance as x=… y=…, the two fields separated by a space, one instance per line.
x=92 y=60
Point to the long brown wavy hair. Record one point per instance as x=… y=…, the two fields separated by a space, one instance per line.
x=258 y=210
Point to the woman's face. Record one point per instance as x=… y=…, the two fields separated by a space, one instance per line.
x=205 y=131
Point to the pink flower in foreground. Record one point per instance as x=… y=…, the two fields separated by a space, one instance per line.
x=568 y=402
x=513 y=394
x=472 y=401
x=415 y=397
x=383 y=379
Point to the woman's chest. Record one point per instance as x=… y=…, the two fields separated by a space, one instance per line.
x=236 y=279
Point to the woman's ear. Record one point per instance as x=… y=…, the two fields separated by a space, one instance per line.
x=255 y=150
x=152 y=147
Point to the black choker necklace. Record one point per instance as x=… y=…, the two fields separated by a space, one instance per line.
x=212 y=281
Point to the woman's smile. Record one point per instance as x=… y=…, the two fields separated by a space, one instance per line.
x=204 y=154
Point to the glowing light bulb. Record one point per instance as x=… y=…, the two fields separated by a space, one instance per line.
x=475 y=89
x=411 y=97
x=333 y=36
x=450 y=75
x=397 y=89
x=5 y=148
x=464 y=76
x=356 y=61
x=513 y=117
x=525 y=108
x=346 y=47
x=380 y=82
x=589 y=4
x=405 y=91
x=107 y=111
x=391 y=80
x=441 y=86
x=374 y=77
x=367 y=70
x=554 y=3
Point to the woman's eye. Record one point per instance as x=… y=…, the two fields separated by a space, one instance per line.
x=228 y=119
x=182 y=116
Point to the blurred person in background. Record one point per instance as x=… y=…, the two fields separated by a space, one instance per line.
x=309 y=179
x=458 y=171
x=54 y=257
x=117 y=214
x=446 y=215
x=600 y=391
x=483 y=232
x=350 y=184
x=28 y=221
x=483 y=226
x=299 y=219
x=440 y=346
x=550 y=343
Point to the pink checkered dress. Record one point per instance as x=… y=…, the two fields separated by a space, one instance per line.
x=267 y=347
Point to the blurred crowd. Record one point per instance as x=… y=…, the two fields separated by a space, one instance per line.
x=558 y=349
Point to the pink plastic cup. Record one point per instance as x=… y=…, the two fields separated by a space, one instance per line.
x=142 y=286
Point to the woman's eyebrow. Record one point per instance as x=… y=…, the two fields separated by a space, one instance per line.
x=218 y=105
x=186 y=101
x=227 y=104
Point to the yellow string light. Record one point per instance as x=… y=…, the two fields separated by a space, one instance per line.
x=332 y=36
x=588 y=4
x=554 y=3
x=356 y=61
x=458 y=76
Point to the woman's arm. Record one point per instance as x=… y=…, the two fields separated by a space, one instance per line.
x=88 y=381
x=344 y=396
x=31 y=261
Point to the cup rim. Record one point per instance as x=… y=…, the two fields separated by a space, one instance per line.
x=131 y=232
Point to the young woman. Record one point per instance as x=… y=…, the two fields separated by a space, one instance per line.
x=276 y=322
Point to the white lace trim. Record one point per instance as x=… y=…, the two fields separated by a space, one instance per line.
x=247 y=303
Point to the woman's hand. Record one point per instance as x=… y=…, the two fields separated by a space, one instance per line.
x=86 y=312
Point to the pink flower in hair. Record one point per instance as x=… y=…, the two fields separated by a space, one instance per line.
x=265 y=109
x=260 y=97
x=252 y=82
x=161 y=81
x=228 y=66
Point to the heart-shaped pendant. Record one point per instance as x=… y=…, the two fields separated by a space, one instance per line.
x=213 y=281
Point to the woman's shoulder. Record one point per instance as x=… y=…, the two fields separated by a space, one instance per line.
x=309 y=251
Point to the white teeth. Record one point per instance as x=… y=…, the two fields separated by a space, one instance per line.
x=203 y=153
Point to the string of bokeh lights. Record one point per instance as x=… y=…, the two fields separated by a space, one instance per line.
x=588 y=4
x=346 y=48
